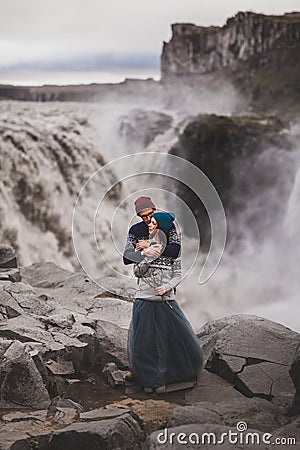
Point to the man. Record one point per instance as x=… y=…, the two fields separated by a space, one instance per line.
x=137 y=244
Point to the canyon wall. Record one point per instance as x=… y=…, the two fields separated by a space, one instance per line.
x=196 y=50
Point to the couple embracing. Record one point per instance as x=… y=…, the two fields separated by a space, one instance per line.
x=162 y=346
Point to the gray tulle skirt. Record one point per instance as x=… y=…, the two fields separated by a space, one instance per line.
x=162 y=346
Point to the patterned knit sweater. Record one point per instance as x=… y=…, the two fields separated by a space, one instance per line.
x=152 y=273
x=140 y=231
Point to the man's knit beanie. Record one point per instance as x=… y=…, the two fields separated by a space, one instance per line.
x=164 y=219
x=143 y=203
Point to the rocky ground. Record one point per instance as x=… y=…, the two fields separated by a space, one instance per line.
x=63 y=356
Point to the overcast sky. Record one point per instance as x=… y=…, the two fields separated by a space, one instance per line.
x=55 y=29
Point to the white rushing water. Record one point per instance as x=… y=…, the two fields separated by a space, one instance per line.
x=259 y=276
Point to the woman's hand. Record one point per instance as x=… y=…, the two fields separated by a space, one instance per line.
x=161 y=290
x=142 y=244
x=153 y=251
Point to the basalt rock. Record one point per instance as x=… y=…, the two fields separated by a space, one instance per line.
x=258 y=53
x=52 y=337
x=61 y=329
x=208 y=413
x=102 y=428
x=44 y=274
x=21 y=381
x=295 y=374
x=259 y=414
x=241 y=155
x=138 y=128
x=198 y=50
x=10 y=275
x=231 y=351
x=7 y=257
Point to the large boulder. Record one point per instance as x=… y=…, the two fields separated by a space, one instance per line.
x=259 y=413
x=21 y=381
x=116 y=287
x=9 y=307
x=252 y=353
x=113 y=342
x=44 y=274
x=119 y=432
x=66 y=325
x=139 y=127
x=102 y=428
x=30 y=303
x=295 y=374
x=65 y=426
x=7 y=256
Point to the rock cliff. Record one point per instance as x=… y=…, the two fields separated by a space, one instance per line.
x=258 y=54
x=199 y=50
x=253 y=54
x=94 y=92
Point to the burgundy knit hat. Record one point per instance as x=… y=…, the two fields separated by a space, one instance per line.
x=143 y=203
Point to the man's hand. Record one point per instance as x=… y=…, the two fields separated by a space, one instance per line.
x=142 y=244
x=153 y=251
x=161 y=290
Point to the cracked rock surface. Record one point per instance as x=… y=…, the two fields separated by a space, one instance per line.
x=68 y=429
x=55 y=330
x=261 y=414
x=58 y=330
x=232 y=351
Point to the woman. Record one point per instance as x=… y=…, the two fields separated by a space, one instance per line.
x=162 y=346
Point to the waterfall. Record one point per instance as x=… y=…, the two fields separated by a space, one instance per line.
x=49 y=151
